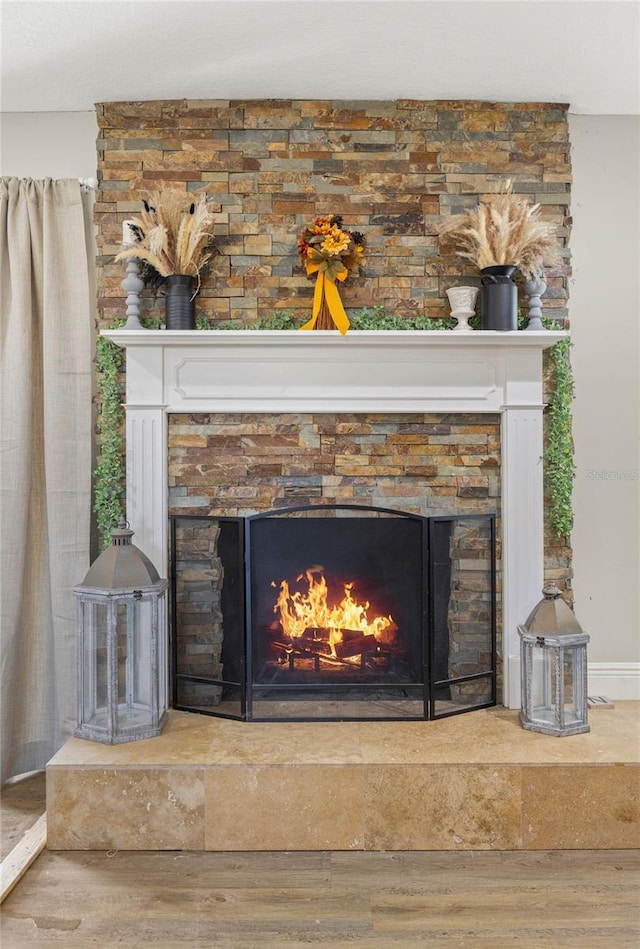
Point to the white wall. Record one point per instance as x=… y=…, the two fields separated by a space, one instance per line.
x=605 y=320
x=48 y=144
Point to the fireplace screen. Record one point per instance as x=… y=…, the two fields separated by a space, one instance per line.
x=336 y=612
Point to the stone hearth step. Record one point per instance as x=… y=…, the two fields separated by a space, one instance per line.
x=472 y=782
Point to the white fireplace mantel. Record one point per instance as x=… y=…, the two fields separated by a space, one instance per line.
x=293 y=371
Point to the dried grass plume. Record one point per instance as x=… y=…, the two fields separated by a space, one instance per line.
x=174 y=233
x=510 y=230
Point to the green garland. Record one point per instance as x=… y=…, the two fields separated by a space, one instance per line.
x=368 y=318
x=558 y=454
x=109 y=476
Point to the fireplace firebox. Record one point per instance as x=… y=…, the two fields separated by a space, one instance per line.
x=333 y=612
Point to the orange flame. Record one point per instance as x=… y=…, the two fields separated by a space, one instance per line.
x=299 y=611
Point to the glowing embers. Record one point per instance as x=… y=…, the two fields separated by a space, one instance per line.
x=312 y=626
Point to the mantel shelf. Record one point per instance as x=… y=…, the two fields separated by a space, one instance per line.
x=382 y=339
x=289 y=370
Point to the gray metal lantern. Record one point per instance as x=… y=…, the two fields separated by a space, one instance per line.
x=121 y=645
x=553 y=657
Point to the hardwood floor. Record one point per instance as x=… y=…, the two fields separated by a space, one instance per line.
x=532 y=900
x=440 y=900
x=21 y=804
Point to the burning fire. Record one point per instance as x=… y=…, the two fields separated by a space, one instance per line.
x=301 y=613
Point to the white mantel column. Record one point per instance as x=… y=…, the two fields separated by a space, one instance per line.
x=146 y=456
x=522 y=534
x=522 y=508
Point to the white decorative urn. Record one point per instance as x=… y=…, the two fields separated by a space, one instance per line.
x=463 y=305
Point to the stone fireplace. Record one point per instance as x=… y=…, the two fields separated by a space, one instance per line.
x=394 y=170
x=264 y=372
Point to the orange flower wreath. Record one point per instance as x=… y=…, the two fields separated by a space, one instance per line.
x=331 y=252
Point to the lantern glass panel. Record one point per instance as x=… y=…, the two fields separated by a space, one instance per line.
x=543 y=685
x=163 y=676
x=123 y=651
x=96 y=670
x=572 y=682
x=141 y=697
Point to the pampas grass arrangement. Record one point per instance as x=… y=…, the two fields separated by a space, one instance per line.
x=174 y=235
x=510 y=230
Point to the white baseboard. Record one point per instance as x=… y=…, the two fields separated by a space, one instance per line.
x=615 y=680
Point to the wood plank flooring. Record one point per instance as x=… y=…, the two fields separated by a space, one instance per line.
x=21 y=804
x=488 y=900
x=534 y=900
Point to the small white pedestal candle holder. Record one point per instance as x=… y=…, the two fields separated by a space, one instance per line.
x=463 y=302
x=132 y=284
x=534 y=289
x=133 y=287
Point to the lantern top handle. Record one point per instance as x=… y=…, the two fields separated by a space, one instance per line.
x=551 y=591
x=122 y=534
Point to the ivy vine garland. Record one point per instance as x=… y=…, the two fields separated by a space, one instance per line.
x=558 y=454
x=109 y=475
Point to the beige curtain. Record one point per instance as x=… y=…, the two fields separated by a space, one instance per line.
x=45 y=461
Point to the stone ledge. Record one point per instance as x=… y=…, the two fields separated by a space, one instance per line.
x=472 y=782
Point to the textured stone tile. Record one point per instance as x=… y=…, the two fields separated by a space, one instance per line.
x=447 y=784
x=442 y=808
x=125 y=809
x=285 y=808
x=581 y=807
x=394 y=452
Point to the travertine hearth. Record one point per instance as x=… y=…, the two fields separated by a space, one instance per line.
x=474 y=782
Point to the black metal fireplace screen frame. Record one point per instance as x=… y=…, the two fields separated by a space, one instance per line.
x=245 y=706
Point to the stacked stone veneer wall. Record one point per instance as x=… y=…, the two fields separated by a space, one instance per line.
x=469 y=613
x=198 y=607
x=392 y=169
x=239 y=464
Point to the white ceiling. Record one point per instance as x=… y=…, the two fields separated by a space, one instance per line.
x=67 y=56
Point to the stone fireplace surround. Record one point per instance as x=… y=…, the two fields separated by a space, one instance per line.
x=289 y=371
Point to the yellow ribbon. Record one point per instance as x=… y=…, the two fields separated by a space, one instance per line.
x=325 y=285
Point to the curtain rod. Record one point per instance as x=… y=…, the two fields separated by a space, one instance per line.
x=89 y=183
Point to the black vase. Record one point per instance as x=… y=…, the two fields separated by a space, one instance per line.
x=180 y=307
x=498 y=299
